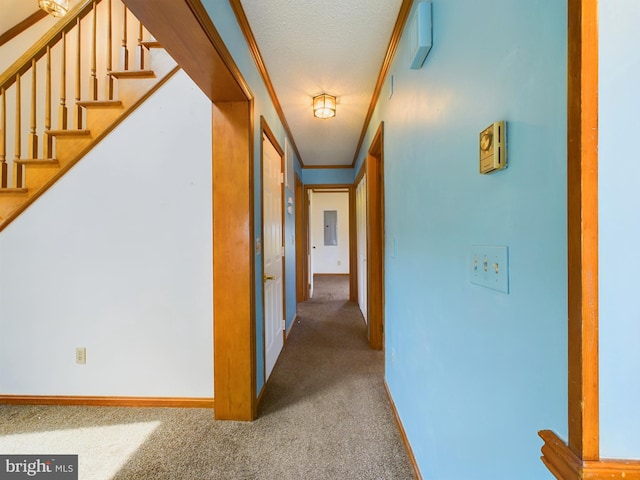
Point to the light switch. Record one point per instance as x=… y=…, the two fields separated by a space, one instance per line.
x=490 y=267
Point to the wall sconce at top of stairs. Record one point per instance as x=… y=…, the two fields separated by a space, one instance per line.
x=57 y=8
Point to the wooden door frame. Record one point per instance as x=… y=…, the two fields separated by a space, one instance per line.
x=374 y=168
x=182 y=28
x=580 y=456
x=265 y=131
x=301 y=265
x=352 y=245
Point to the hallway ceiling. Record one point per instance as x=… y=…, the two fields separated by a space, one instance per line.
x=320 y=46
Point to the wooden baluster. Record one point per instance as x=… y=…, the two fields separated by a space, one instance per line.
x=78 y=108
x=62 y=108
x=17 y=170
x=124 y=51
x=94 y=78
x=47 y=106
x=109 y=53
x=33 y=136
x=3 y=140
x=140 y=46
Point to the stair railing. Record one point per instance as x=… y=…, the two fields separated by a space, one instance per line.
x=74 y=59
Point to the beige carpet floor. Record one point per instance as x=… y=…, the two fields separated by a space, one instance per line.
x=324 y=415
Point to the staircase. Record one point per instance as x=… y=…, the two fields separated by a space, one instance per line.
x=75 y=59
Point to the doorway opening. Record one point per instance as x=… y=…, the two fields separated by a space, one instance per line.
x=329 y=238
x=369 y=251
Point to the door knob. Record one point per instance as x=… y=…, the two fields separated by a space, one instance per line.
x=268 y=277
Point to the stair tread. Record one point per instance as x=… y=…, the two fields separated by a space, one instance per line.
x=37 y=161
x=13 y=190
x=72 y=132
x=151 y=44
x=100 y=103
x=71 y=144
x=133 y=74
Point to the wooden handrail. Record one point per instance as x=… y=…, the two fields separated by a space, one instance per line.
x=78 y=52
x=23 y=63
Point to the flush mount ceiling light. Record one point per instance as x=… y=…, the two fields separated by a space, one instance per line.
x=324 y=106
x=57 y=8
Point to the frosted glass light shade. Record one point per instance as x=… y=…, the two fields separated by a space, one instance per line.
x=57 y=8
x=324 y=106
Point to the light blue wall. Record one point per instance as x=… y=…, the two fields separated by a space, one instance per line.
x=290 y=258
x=619 y=229
x=476 y=373
x=227 y=26
x=327 y=176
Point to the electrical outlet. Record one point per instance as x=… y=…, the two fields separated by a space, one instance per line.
x=81 y=355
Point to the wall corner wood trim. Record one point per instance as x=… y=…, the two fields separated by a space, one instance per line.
x=582 y=228
x=96 y=401
x=266 y=130
x=566 y=465
x=580 y=457
x=403 y=434
x=375 y=240
x=233 y=262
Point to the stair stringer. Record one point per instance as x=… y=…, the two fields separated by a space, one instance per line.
x=72 y=145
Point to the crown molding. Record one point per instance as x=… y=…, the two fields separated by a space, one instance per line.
x=262 y=69
x=396 y=35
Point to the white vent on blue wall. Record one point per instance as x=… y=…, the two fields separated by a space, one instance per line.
x=420 y=36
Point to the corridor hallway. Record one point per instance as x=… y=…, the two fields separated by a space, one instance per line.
x=324 y=415
x=327 y=388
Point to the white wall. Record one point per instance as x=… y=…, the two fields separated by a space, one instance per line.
x=330 y=259
x=116 y=257
x=619 y=229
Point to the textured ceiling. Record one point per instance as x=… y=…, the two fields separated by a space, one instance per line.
x=316 y=46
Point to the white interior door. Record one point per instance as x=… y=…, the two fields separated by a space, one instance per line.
x=310 y=236
x=361 y=235
x=272 y=254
